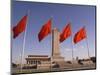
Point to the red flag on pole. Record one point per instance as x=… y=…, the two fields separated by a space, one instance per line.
x=20 y=27
x=66 y=33
x=45 y=30
x=80 y=35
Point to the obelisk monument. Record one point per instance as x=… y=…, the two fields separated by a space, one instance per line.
x=56 y=55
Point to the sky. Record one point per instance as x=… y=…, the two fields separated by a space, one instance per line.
x=61 y=14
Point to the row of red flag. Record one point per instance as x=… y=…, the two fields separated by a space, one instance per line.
x=46 y=29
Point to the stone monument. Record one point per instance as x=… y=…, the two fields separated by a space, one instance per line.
x=56 y=56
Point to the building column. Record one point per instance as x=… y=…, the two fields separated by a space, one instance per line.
x=27 y=61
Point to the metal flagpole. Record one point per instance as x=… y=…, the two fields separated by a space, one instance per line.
x=87 y=48
x=51 y=63
x=87 y=45
x=51 y=43
x=23 y=48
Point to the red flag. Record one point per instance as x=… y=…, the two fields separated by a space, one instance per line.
x=20 y=27
x=80 y=35
x=45 y=30
x=66 y=33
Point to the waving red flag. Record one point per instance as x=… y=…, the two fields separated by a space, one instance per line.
x=66 y=33
x=80 y=35
x=20 y=27
x=45 y=30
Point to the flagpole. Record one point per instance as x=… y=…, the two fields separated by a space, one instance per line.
x=87 y=47
x=51 y=43
x=88 y=51
x=23 y=48
x=87 y=43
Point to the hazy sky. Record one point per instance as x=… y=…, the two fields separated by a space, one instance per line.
x=62 y=14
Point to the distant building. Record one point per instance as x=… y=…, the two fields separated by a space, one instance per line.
x=37 y=59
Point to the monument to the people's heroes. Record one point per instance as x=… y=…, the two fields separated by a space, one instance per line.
x=56 y=55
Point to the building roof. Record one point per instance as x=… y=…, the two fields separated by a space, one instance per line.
x=37 y=58
x=37 y=55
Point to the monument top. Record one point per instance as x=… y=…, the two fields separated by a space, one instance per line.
x=55 y=29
